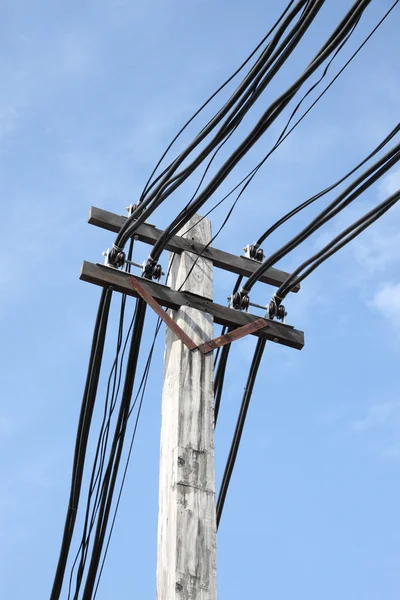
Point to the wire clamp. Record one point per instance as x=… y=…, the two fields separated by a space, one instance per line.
x=276 y=310
x=114 y=258
x=152 y=270
x=254 y=252
x=130 y=208
x=239 y=301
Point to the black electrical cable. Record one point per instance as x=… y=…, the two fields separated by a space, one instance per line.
x=116 y=450
x=221 y=360
x=100 y=455
x=142 y=391
x=87 y=406
x=336 y=244
x=255 y=364
x=352 y=24
x=280 y=140
x=346 y=236
x=95 y=478
x=311 y=200
x=365 y=180
x=140 y=214
x=264 y=122
x=142 y=383
x=146 y=187
x=284 y=134
x=235 y=97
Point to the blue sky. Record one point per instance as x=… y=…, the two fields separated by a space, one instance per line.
x=91 y=94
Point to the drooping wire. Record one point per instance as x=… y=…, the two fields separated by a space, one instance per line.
x=161 y=192
x=338 y=242
x=249 y=178
x=241 y=67
x=355 y=189
x=285 y=133
x=85 y=418
x=113 y=386
x=255 y=364
x=116 y=451
x=142 y=391
x=263 y=124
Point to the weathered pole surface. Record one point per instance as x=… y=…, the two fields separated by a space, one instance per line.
x=186 y=563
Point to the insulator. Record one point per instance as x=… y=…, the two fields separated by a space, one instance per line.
x=281 y=312
x=244 y=304
x=157 y=272
x=148 y=269
x=236 y=300
x=116 y=259
x=272 y=309
x=259 y=255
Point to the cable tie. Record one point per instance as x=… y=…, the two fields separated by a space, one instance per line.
x=117 y=248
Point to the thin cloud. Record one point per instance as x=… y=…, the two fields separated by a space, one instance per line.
x=387 y=302
x=377 y=415
x=392 y=452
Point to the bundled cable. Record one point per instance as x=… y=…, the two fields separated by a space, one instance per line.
x=255 y=364
x=353 y=191
x=264 y=122
x=116 y=451
x=85 y=418
x=335 y=245
x=221 y=364
x=170 y=182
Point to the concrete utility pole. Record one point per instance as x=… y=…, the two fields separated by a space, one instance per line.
x=186 y=564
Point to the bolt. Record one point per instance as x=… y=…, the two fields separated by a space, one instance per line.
x=276 y=339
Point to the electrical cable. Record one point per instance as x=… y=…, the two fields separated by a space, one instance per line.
x=284 y=134
x=100 y=453
x=89 y=396
x=365 y=180
x=235 y=97
x=140 y=214
x=255 y=364
x=264 y=122
x=280 y=140
x=142 y=391
x=116 y=450
x=211 y=98
x=336 y=244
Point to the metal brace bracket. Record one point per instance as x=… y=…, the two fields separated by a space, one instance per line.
x=205 y=347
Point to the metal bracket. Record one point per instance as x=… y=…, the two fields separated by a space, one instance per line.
x=205 y=347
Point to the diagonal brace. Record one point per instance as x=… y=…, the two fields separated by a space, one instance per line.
x=206 y=347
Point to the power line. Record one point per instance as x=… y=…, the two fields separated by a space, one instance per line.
x=338 y=242
x=89 y=395
x=255 y=363
x=160 y=194
x=116 y=450
x=355 y=189
x=266 y=120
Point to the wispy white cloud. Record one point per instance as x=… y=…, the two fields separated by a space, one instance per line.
x=8 y=120
x=387 y=301
x=377 y=415
x=392 y=451
x=390 y=183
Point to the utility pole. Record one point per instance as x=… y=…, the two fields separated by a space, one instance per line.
x=186 y=564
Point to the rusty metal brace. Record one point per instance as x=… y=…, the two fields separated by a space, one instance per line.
x=205 y=347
